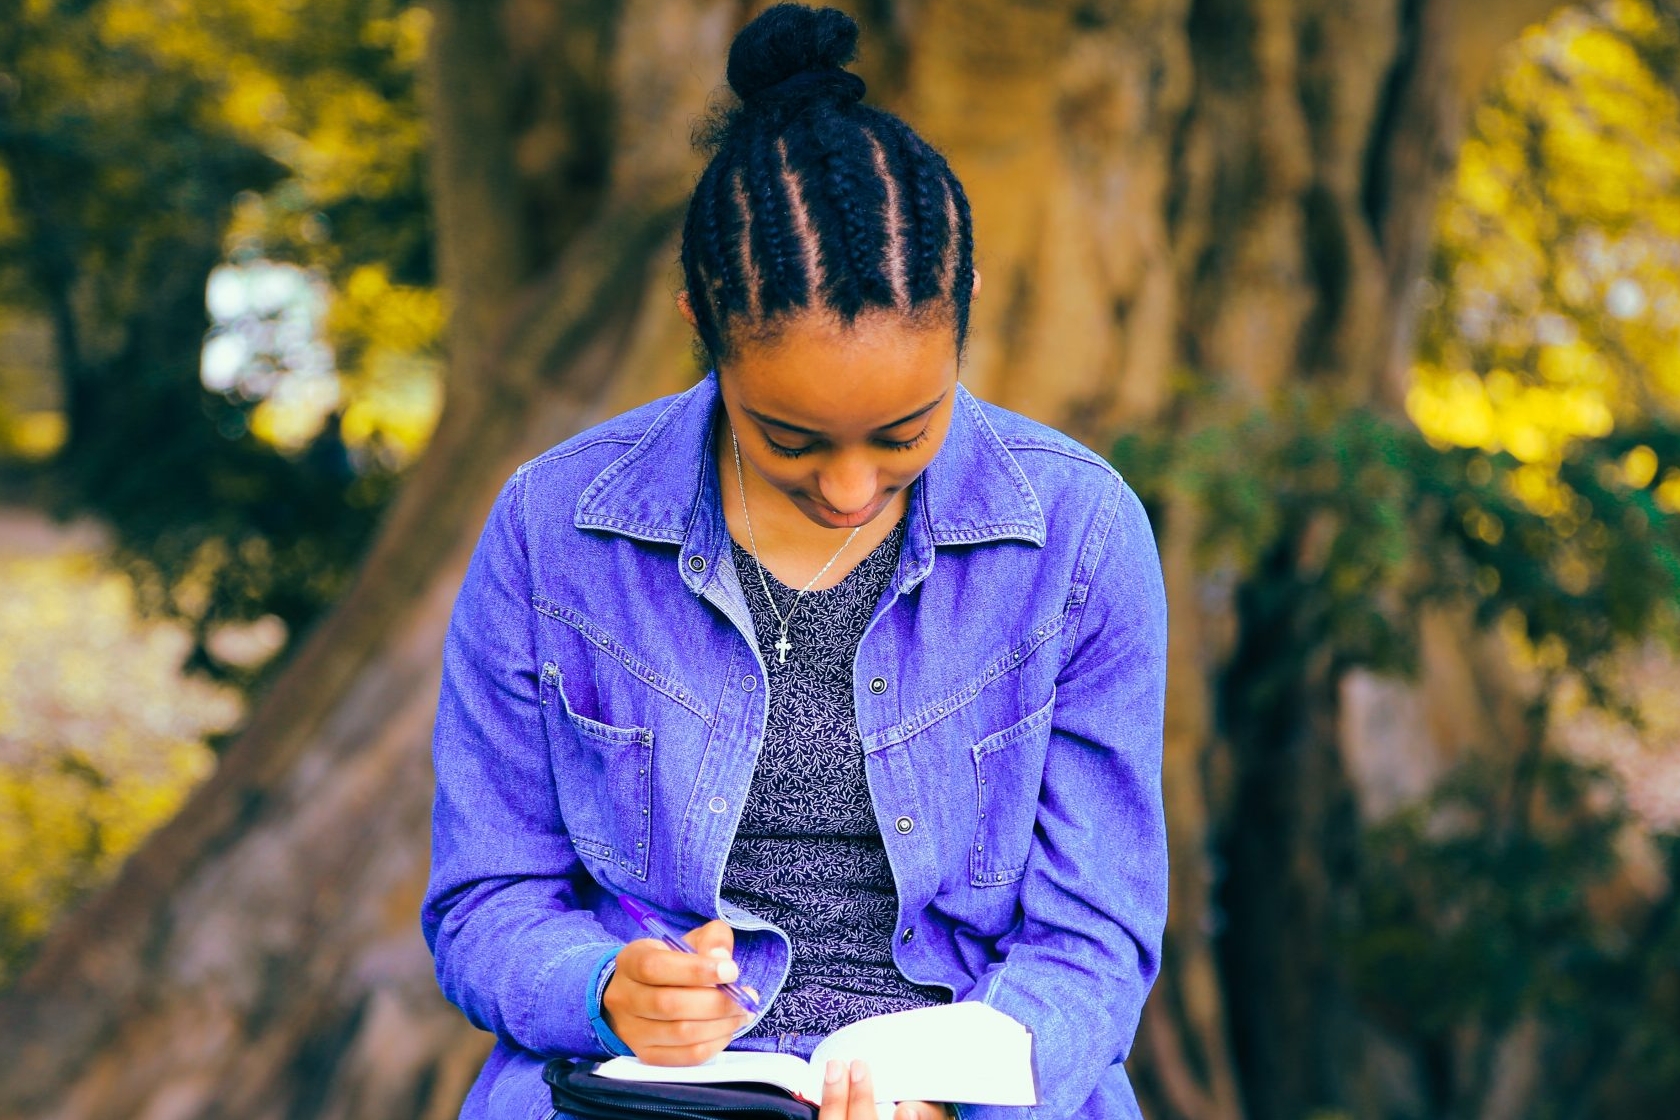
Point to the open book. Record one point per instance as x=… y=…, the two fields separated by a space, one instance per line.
x=963 y=1052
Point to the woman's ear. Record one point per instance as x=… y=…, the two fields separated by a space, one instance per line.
x=975 y=294
x=686 y=308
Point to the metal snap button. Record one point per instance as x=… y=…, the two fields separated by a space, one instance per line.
x=904 y=825
x=717 y=804
x=696 y=563
x=748 y=683
x=908 y=936
x=878 y=685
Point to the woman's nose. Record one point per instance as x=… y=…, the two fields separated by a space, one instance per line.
x=848 y=484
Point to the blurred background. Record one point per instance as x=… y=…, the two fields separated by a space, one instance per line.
x=1376 y=302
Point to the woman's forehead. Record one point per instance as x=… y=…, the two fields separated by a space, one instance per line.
x=820 y=375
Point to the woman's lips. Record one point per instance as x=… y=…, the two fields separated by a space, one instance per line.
x=836 y=520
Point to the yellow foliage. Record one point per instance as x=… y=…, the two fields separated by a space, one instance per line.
x=10 y=228
x=1502 y=412
x=397 y=408
x=387 y=337
x=337 y=132
x=255 y=101
x=292 y=415
x=100 y=738
x=33 y=435
x=1562 y=233
x=342 y=136
x=391 y=316
x=1639 y=467
x=404 y=35
x=1538 y=488
x=1668 y=494
x=387 y=386
x=66 y=824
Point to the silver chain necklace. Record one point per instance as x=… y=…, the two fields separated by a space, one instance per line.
x=783 y=646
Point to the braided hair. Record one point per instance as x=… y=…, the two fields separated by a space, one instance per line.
x=814 y=201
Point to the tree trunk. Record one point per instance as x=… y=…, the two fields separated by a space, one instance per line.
x=1239 y=190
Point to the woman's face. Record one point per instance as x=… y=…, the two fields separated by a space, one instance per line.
x=841 y=419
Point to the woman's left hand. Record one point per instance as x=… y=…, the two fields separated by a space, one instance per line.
x=848 y=1095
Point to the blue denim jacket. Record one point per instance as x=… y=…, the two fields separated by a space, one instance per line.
x=603 y=703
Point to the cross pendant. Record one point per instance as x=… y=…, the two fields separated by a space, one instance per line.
x=782 y=647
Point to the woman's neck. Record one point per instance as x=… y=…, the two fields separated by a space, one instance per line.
x=791 y=546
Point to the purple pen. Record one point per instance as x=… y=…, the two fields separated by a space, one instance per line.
x=651 y=922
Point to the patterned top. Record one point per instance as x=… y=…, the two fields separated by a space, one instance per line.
x=808 y=853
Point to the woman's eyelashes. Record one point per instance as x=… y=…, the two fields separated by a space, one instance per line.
x=889 y=444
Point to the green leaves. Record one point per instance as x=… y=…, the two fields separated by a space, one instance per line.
x=1375 y=522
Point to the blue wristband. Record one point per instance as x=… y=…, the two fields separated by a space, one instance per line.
x=597 y=986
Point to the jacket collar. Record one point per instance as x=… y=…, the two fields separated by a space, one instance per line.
x=665 y=488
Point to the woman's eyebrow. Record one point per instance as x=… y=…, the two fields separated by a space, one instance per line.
x=763 y=419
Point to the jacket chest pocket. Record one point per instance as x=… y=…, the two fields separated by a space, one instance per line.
x=1008 y=770
x=603 y=776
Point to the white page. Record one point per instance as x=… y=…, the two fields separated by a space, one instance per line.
x=967 y=1052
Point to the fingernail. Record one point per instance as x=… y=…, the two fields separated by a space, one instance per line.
x=718 y=953
x=728 y=971
x=858 y=1071
x=831 y=1073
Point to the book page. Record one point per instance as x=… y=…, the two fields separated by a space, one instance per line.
x=967 y=1052
x=786 y=1071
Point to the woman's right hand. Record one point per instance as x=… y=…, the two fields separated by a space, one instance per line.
x=667 y=1006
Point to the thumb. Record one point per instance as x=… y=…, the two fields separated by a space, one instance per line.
x=708 y=939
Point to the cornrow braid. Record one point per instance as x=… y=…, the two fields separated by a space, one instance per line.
x=929 y=229
x=893 y=260
x=704 y=263
x=784 y=284
x=805 y=232
x=961 y=247
x=806 y=174
x=751 y=276
x=812 y=201
x=856 y=196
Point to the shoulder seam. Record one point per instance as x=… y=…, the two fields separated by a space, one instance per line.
x=1079 y=454
x=1090 y=554
x=566 y=452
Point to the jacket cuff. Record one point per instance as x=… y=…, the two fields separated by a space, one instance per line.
x=557 y=1022
x=597 y=988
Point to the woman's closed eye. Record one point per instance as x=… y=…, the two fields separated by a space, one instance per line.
x=889 y=444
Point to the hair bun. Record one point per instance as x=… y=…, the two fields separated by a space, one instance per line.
x=791 y=52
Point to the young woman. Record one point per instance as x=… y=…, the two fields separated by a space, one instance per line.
x=853 y=676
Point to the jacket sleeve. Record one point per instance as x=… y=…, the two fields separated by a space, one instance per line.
x=513 y=948
x=1078 y=966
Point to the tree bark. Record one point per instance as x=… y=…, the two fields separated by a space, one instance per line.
x=260 y=955
x=1229 y=191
